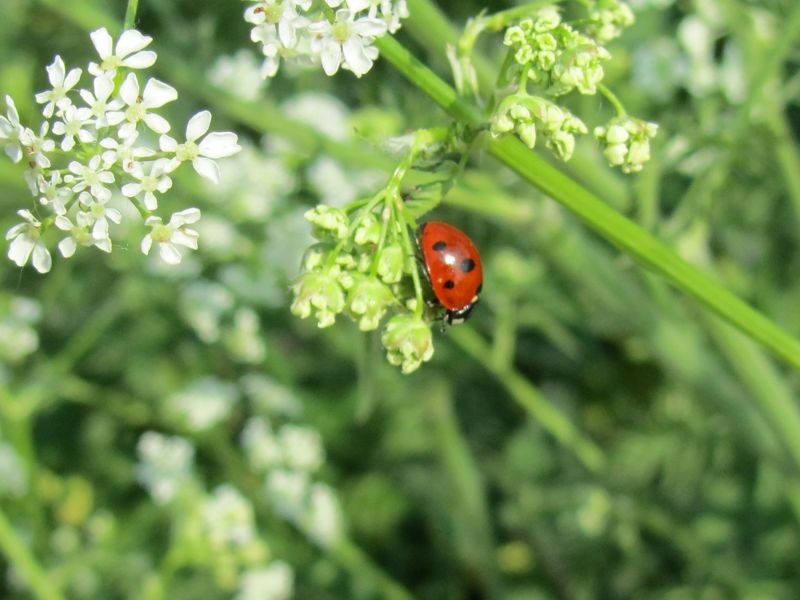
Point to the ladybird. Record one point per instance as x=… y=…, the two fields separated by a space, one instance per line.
x=454 y=268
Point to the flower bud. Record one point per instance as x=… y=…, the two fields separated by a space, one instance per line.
x=408 y=341
x=368 y=231
x=320 y=291
x=367 y=302
x=328 y=222
x=391 y=264
x=626 y=142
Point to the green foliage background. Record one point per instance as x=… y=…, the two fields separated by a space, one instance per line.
x=590 y=433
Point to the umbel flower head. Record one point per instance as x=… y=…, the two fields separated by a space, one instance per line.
x=97 y=127
x=301 y=30
x=626 y=142
x=408 y=341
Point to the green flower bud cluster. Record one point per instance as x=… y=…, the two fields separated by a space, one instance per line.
x=556 y=55
x=525 y=115
x=626 y=142
x=608 y=19
x=359 y=268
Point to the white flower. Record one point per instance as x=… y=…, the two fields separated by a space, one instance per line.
x=302 y=447
x=10 y=131
x=347 y=41
x=128 y=52
x=274 y=582
x=62 y=83
x=124 y=152
x=52 y=193
x=36 y=146
x=72 y=124
x=213 y=145
x=156 y=180
x=228 y=518
x=172 y=234
x=323 y=518
x=165 y=465
x=98 y=102
x=79 y=234
x=204 y=404
x=287 y=490
x=25 y=241
x=391 y=11
x=276 y=20
x=238 y=74
x=156 y=94
x=99 y=213
x=91 y=177
x=260 y=445
x=14 y=479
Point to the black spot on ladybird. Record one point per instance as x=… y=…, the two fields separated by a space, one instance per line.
x=449 y=284
x=439 y=246
x=467 y=265
x=480 y=288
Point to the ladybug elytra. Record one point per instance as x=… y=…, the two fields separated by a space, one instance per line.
x=454 y=269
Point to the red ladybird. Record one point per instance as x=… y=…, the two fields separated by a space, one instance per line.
x=454 y=268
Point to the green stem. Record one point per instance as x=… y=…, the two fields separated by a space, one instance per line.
x=614 y=227
x=130 y=15
x=24 y=563
x=612 y=98
x=536 y=405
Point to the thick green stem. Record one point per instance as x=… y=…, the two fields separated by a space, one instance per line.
x=614 y=227
x=130 y=15
x=24 y=563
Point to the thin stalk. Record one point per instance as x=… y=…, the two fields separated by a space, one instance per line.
x=25 y=564
x=612 y=98
x=532 y=401
x=617 y=229
x=130 y=15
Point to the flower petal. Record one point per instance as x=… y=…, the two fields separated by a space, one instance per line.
x=157 y=123
x=140 y=60
x=55 y=72
x=331 y=57
x=219 y=144
x=67 y=246
x=102 y=42
x=169 y=253
x=206 y=168
x=167 y=144
x=103 y=86
x=129 y=90
x=72 y=78
x=19 y=250
x=355 y=57
x=41 y=258
x=184 y=238
x=198 y=125
x=157 y=93
x=131 y=41
x=147 y=243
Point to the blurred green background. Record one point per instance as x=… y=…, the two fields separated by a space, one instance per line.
x=588 y=434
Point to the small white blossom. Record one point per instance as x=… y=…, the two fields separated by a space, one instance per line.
x=201 y=153
x=26 y=241
x=302 y=447
x=228 y=518
x=11 y=130
x=79 y=234
x=124 y=152
x=274 y=582
x=323 y=519
x=238 y=74
x=37 y=146
x=129 y=52
x=288 y=489
x=61 y=82
x=147 y=184
x=165 y=465
x=260 y=445
x=204 y=404
x=100 y=214
x=347 y=41
x=98 y=102
x=155 y=95
x=72 y=124
x=13 y=478
x=92 y=177
x=52 y=193
x=171 y=235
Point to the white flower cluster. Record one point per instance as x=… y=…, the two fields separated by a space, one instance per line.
x=165 y=465
x=103 y=138
x=288 y=458
x=312 y=32
x=13 y=477
x=203 y=404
